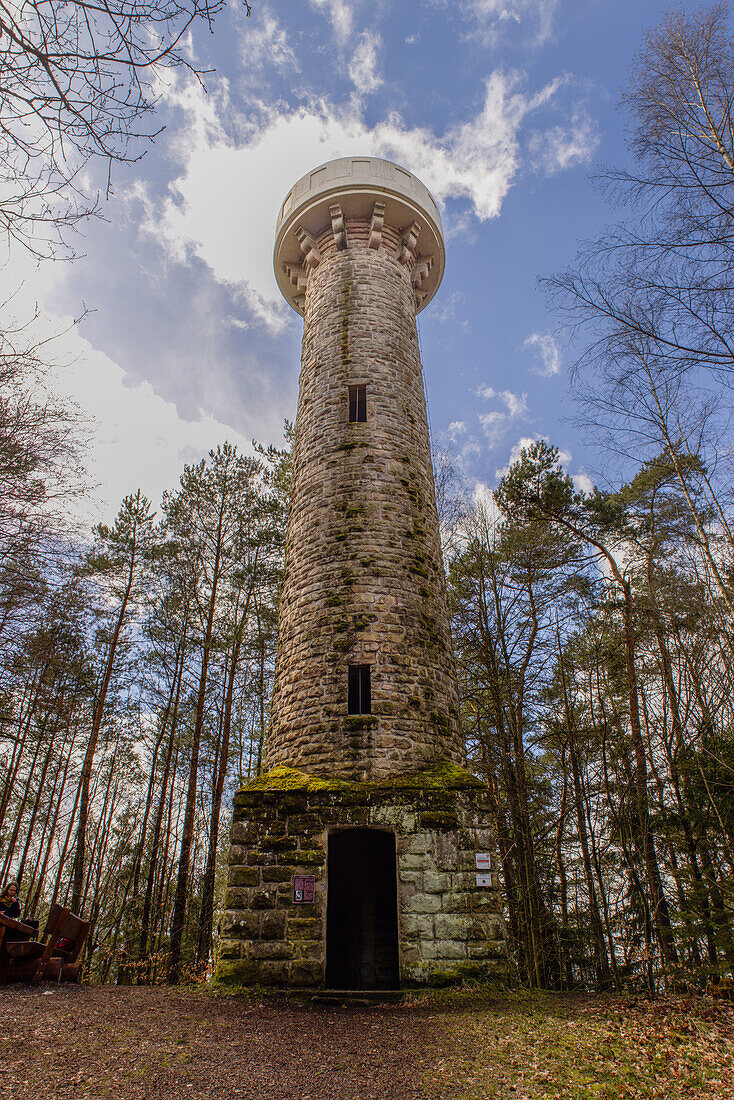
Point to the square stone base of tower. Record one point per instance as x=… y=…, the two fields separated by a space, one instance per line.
x=350 y=885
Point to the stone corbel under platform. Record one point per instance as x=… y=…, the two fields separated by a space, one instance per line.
x=449 y=926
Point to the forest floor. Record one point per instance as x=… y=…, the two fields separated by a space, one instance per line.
x=64 y=1042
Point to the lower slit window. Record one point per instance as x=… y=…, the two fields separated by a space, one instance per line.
x=357 y=404
x=360 y=695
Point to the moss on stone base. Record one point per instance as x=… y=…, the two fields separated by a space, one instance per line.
x=440 y=975
x=443 y=775
x=290 y=779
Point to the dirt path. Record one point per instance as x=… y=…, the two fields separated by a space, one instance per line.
x=79 y=1042
x=131 y=1043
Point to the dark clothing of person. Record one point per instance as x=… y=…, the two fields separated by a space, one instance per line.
x=11 y=909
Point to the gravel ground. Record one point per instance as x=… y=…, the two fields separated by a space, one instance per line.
x=135 y=1043
x=64 y=1042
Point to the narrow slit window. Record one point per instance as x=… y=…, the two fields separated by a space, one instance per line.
x=360 y=695
x=357 y=404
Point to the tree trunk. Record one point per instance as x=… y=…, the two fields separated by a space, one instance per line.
x=603 y=973
x=178 y=919
x=97 y=717
x=160 y=810
x=10 y=850
x=19 y=745
x=33 y=905
x=36 y=804
x=660 y=911
x=565 y=960
x=206 y=923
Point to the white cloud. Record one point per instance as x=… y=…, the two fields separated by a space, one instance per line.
x=470 y=449
x=224 y=204
x=363 y=69
x=494 y=426
x=455 y=429
x=486 y=391
x=136 y=439
x=340 y=14
x=564 y=457
x=458 y=223
x=483 y=498
x=582 y=483
x=266 y=42
x=492 y=17
x=546 y=351
x=563 y=147
x=515 y=403
x=445 y=311
x=477 y=160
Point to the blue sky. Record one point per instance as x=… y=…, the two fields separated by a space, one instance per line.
x=502 y=107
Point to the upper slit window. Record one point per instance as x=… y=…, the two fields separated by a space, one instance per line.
x=357 y=404
x=360 y=694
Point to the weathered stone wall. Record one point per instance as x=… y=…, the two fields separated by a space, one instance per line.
x=364 y=579
x=448 y=927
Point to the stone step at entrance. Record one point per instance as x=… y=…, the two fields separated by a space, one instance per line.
x=357 y=998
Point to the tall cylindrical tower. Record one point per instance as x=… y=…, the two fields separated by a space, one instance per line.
x=363 y=857
x=364 y=678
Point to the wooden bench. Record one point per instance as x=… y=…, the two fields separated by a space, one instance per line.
x=19 y=952
x=52 y=958
x=65 y=935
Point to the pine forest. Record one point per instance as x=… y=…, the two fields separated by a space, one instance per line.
x=593 y=626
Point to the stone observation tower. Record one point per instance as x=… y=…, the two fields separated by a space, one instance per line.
x=363 y=857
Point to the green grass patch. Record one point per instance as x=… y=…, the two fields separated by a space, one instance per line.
x=566 y=1047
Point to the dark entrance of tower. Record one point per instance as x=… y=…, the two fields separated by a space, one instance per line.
x=362 y=911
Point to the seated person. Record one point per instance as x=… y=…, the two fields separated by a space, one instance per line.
x=9 y=903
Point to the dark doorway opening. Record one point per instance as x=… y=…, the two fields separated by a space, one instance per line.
x=362 y=911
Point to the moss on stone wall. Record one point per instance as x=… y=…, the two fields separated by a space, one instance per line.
x=290 y=779
x=441 y=776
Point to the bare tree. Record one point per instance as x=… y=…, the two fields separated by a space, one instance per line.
x=77 y=81
x=41 y=470
x=663 y=279
x=119 y=555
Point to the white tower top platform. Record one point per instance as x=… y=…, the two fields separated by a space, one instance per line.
x=356 y=183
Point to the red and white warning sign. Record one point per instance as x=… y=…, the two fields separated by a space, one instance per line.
x=484 y=861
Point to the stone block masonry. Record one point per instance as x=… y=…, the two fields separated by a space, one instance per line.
x=365 y=789
x=364 y=579
x=449 y=929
